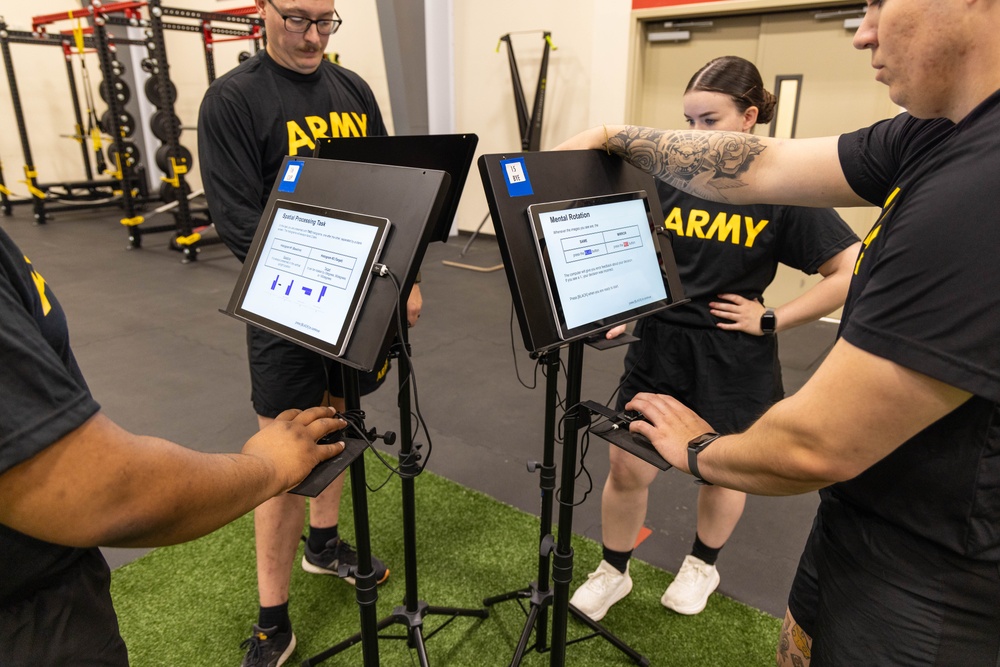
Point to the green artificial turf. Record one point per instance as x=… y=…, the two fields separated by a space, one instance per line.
x=194 y=603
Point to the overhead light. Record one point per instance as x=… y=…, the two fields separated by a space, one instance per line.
x=669 y=36
x=852 y=24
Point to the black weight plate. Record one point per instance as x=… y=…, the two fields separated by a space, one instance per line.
x=153 y=93
x=122 y=91
x=163 y=155
x=159 y=121
x=168 y=192
x=131 y=154
x=127 y=123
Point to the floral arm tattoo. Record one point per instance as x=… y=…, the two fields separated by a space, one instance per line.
x=705 y=164
x=797 y=651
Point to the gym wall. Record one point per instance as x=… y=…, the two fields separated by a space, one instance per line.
x=586 y=82
x=44 y=88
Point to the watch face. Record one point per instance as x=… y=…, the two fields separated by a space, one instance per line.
x=768 y=322
x=702 y=439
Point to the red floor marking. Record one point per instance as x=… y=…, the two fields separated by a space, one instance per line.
x=643 y=534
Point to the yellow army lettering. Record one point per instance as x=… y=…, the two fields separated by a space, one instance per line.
x=723 y=228
x=36 y=277
x=890 y=200
x=339 y=125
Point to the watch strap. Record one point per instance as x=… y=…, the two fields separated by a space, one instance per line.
x=694 y=448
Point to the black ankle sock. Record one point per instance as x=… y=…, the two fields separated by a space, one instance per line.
x=705 y=553
x=318 y=537
x=618 y=559
x=276 y=616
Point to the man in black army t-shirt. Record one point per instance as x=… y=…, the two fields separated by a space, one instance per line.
x=899 y=425
x=278 y=103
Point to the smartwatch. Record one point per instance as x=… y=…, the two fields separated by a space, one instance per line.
x=694 y=448
x=768 y=321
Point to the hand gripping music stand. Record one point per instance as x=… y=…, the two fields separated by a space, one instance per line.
x=410 y=198
x=512 y=183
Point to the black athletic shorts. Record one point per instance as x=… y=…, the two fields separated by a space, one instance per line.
x=284 y=375
x=729 y=378
x=69 y=622
x=870 y=593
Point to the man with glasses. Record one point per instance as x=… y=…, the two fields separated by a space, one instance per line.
x=278 y=103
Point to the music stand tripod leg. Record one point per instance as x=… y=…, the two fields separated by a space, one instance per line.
x=472 y=238
x=538 y=591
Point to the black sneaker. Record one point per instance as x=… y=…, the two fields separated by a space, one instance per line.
x=267 y=647
x=336 y=555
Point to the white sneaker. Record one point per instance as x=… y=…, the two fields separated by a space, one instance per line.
x=688 y=594
x=604 y=587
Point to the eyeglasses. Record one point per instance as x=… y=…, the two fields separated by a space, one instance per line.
x=300 y=24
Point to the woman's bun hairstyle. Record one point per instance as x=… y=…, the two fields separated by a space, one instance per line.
x=740 y=79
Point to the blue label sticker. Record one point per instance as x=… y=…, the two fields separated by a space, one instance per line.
x=290 y=178
x=516 y=176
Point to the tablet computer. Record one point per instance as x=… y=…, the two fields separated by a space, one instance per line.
x=307 y=274
x=601 y=261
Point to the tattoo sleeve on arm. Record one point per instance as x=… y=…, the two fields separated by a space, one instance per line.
x=794 y=645
x=705 y=164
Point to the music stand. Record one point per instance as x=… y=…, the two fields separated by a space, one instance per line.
x=512 y=183
x=452 y=154
x=410 y=198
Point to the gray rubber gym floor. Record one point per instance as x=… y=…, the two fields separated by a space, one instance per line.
x=162 y=360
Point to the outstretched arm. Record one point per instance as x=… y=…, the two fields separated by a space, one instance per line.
x=828 y=431
x=730 y=166
x=102 y=486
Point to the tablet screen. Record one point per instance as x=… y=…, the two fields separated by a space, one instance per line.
x=308 y=273
x=601 y=261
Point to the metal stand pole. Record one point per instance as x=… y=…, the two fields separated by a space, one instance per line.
x=413 y=610
x=562 y=566
x=538 y=591
x=365 y=584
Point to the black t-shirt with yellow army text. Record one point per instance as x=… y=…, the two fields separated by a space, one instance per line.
x=926 y=296
x=255 y=115
x=726 y=248
x=43 y=397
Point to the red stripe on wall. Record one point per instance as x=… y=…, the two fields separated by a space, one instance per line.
x=651 y=4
